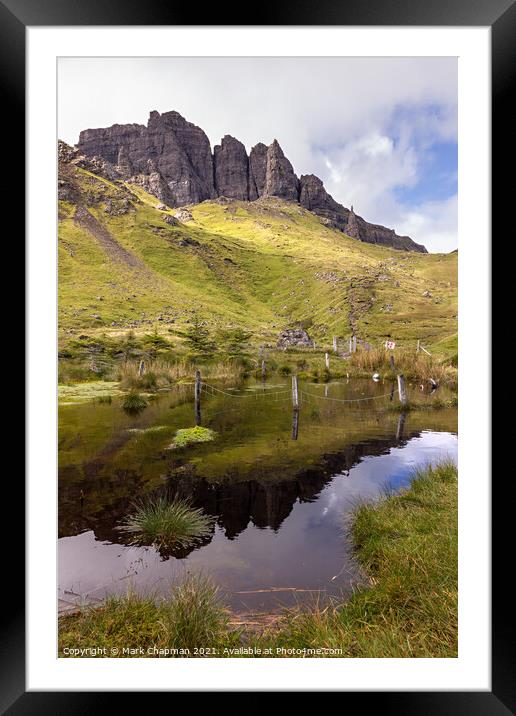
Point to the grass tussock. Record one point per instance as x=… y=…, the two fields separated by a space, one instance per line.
x=190 y=436
x=134 y=402
x=190 y=622
x=166 y=524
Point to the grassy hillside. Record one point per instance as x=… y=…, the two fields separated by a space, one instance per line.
x=265 y=266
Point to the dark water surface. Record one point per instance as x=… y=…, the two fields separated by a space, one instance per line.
x=279 y=491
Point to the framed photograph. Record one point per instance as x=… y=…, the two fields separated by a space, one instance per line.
x=258 y=290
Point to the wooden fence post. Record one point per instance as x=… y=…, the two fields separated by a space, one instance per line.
x=197 y=395
x=391 y=361
x=334 y=344
x=141 y=368
x=401 y=389
x=417 y=349
x=351 y=345
x=327 y=361
x=295 y=396
x=354 y=344
x=263 y=370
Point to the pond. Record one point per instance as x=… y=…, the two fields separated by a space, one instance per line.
x=279 y=485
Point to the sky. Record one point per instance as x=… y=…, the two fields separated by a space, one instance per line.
x=380 y=132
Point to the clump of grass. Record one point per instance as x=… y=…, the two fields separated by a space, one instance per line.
x=189 y=436
x=284 y=370
x=191 y=618
x=195 y=615
x=134 y=402
x=165 y=523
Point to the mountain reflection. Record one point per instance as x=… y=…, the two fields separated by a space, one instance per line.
x=264 y=503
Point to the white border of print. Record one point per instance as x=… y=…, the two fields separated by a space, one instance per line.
x=471 y=670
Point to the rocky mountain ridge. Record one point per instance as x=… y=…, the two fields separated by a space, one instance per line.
x=172 y=159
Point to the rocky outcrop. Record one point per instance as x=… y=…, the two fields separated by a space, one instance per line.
x=176 y=151
x=172 y=160
x=314 y=197
x=257 y=171
x=352 y=227
x=231 y=169
x=280 y=179
x=294 y=337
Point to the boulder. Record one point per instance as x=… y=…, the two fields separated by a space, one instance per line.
x=294 y=337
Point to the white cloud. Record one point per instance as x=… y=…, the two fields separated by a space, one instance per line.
x=352 y=121
x=434 y=223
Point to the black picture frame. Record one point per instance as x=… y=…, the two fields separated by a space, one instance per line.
x=500 y=15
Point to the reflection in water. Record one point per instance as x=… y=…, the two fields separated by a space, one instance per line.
x=401 y=426
x=295 y=424
x=277 y=490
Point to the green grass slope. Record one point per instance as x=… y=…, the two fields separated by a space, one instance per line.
x=265 y=266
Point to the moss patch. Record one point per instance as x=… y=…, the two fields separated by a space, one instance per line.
x=189 y=436
x=83 y=392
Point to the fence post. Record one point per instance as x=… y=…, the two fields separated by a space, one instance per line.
x=263 y=370
x=351 y=345
x=141 y=368
x=401 y=389
x=197 y=395
x=334 y=344
x=417 y=349
x=391 y=361
x=295 y=397
x=354 y=344
x=327 y=361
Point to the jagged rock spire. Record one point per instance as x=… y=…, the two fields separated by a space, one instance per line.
x=352 y=225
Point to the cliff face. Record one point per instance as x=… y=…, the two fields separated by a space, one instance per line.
x=231 y=169
x=172 y=159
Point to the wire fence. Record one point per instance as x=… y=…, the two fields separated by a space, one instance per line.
x=211 y=390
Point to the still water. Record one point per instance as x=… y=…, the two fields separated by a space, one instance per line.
x=280 y=489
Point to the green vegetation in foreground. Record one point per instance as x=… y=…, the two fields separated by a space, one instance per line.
x=189 y=436
x=407 y=543
x=192 y=618
x=165 y=523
